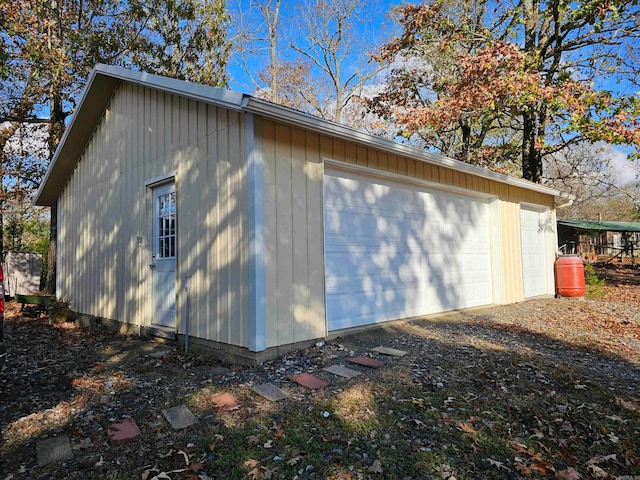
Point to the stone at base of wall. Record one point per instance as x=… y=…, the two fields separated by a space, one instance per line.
x=228 y=353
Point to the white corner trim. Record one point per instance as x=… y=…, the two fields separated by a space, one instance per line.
x=324 y=250
x=156 y=181
x=399 y=178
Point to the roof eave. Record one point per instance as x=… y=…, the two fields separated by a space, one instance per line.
x=304 y=120
x=104 y=79
x=82 y=124
x=101 y=84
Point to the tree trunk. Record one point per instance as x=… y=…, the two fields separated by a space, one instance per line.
x=50 y=285
x=465 y=154
x=531 y=158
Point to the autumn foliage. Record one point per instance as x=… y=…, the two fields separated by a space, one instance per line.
x=504 y=87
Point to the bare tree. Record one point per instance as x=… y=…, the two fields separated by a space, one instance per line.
x=331 y=44
x=589 y=172
x=257 y=31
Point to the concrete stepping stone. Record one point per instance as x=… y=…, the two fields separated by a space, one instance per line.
x=308 y=381
x=389 y=351
x=342 y=371
x=123 y=431
x=179 y=417
x=270 y=392
x=225 y=401
x=52 y=450
x=219 y=371
x=366 y=362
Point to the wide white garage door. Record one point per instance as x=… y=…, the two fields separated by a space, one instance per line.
x=533 y=232
x=396 y=251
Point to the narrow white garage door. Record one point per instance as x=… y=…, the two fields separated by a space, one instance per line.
x=533 y=232
x=396 y=251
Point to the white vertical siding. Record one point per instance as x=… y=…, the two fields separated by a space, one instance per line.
x=105 y=206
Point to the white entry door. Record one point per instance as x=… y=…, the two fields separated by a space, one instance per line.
x=164 y=255
x=535 y=268
x=395 y=250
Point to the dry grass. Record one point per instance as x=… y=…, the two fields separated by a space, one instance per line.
x=523 y=391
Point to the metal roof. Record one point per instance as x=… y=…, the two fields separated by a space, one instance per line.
x=104 y=80
x=602 y=226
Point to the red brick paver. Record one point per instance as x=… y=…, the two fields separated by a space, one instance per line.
x=366 y=362
x=123 y=431
x=309 y=381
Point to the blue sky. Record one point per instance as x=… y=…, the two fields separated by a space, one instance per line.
x=372 y=29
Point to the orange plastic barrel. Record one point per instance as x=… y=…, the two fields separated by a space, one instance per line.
x=569 y=276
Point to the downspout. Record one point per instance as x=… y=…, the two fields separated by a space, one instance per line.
x=570 y=198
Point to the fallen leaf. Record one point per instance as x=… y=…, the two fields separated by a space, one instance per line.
x=253 y=439
x=542 y=467
x=168 y=454
x=255 y=474
x=100 y=462
x=268 y=444
x=267 y=473
x=251 y=463
x=146 y=473
x=628 y=404
x=161 y=476
x=523 y=469
x=465 y=427
x=376 y=467
x=568 y=474
x=597 y=472
x=496 y=463
x=185 y=455
x=599 y=459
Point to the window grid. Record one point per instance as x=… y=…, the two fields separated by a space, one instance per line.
x=167 y=225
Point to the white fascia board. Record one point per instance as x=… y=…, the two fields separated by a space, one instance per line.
x=99 y=88
x=65 y=136
x=196 y=91
x=304 y=120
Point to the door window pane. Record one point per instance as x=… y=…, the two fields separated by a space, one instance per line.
x=166 y=218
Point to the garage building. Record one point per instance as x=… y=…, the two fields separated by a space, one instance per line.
x=253 y=228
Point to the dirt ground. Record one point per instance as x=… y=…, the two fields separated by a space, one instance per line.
x=61 y=380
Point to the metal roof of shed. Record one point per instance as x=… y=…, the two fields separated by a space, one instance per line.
x=104 y=80
x=601 y=226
